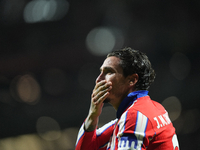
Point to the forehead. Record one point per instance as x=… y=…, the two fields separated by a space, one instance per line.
x=112 y=62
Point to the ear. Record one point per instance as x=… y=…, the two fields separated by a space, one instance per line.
x=133 y=79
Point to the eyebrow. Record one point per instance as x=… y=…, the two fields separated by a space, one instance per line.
x=107 y=68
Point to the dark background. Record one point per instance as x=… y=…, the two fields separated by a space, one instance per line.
x=158 y=28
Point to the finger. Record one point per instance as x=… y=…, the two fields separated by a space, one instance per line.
x=101 y=95
x=102 y=98
x=101 y=87
x=99 y=84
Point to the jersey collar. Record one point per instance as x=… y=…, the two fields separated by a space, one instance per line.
x=131 y=97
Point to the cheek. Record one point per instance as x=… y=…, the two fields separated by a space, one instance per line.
x=109 y=78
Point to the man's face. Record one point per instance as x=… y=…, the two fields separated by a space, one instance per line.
x=112 y=71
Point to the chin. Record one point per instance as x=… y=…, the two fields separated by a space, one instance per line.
x=106 y=100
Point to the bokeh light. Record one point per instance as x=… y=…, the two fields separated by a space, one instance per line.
x=180 y=66
x=25 y=89
x=66 y=141
x=45 y=10
x=23 y=142
x=173 y=106
x=103 y=40
x=48 y=128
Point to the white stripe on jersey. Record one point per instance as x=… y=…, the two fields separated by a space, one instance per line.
x=80 y=133
x=106 y=126
x=129 y=142
x=121 y=123
x=141 y=124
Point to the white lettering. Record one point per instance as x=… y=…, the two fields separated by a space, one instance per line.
x=125 y=146
x=167 y=118
x=162 y=120
x=133 y=144
x=158 y=125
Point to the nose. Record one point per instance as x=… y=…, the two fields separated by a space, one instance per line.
x=100 y=78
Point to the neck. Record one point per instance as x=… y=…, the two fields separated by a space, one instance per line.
x=116 y=105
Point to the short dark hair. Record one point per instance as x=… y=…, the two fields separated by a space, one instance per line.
x=135 y=61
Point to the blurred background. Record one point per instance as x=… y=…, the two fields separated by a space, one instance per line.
x=51 y=52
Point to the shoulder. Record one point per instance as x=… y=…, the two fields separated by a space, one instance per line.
x=155 y=114
x=147 y=107
x=141 y=112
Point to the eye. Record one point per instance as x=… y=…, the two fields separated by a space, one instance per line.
x=108 y=71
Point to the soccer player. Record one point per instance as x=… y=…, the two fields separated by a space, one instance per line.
x=141 y=123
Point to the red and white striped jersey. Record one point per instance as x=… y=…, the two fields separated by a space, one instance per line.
x=141 y=124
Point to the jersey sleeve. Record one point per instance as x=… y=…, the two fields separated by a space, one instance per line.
x=97 y=139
